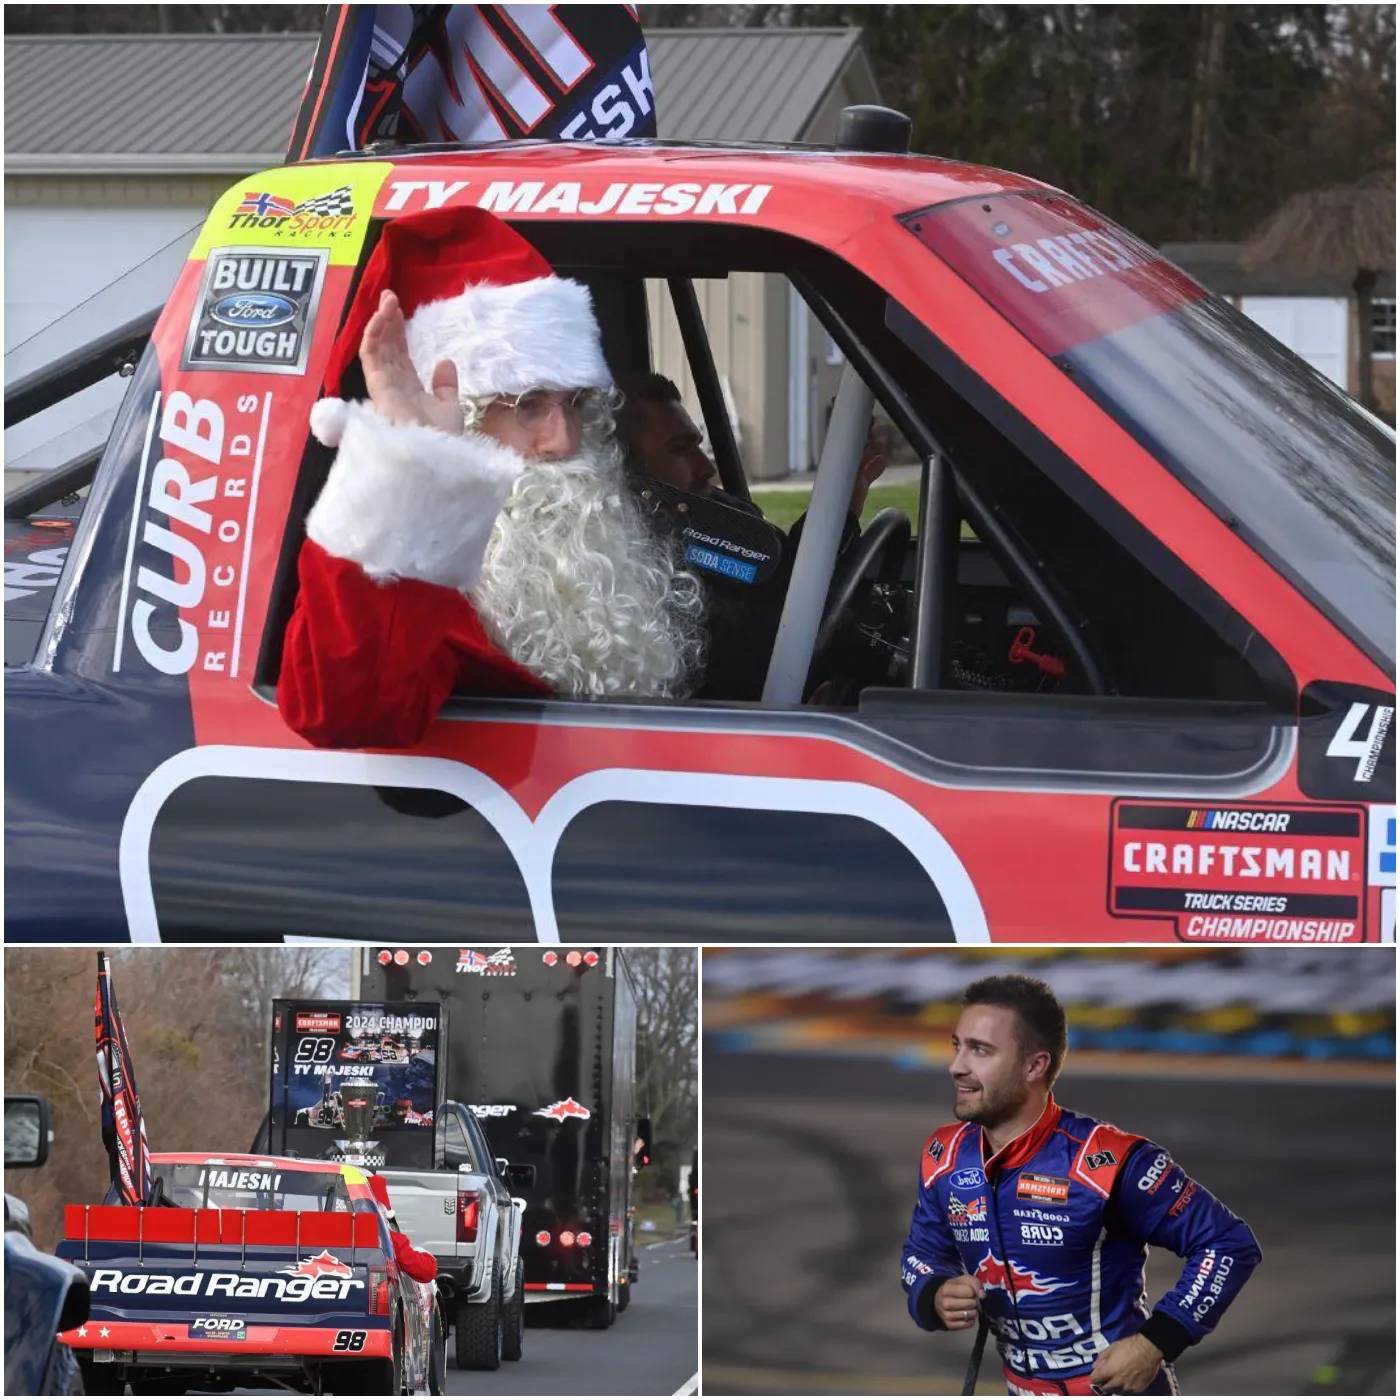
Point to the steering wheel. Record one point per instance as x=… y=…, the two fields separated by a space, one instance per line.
x=882 y=541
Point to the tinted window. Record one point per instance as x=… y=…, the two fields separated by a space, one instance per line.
x=243 y=1187
x=454 y=1139
x=661 y=873
x=1268 y=442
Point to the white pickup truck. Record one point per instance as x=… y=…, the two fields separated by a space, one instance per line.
x=466 y=1212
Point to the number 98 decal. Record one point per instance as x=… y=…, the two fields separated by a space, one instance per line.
x=348 y=1341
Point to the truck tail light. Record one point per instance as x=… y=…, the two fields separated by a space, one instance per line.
x=468 y=1213
x=566 y=1238
x=542 y=1237
x=584 y=1239
x=379 y=1292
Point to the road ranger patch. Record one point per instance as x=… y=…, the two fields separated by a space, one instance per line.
x=255 y=311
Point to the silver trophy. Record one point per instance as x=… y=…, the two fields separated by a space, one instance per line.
x=360 y=1101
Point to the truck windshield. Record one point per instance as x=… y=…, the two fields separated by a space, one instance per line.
x=1269 y=443
x=211 y=1185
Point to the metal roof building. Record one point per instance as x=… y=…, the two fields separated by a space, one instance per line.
x=117 y=145
x=224 y=103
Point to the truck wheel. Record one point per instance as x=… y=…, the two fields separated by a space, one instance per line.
x=514 y=1346
x=100 y=1378
x=601 y=1313
x=437 y=1358
x=481 y=1330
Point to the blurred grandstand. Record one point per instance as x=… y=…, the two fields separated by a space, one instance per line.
x=902 y=1003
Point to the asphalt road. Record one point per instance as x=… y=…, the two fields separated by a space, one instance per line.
x=652 y=1349
x=810 y=1167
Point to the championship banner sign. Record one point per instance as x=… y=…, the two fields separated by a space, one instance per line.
x=408 y=74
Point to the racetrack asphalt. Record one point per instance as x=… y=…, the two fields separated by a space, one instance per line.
x=810 y=1168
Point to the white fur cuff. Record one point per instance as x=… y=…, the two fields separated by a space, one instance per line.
x=412 y=502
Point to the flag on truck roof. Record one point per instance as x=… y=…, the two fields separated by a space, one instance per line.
x=408 y=74
x=123 y=1128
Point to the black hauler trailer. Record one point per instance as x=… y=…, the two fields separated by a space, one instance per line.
x=543 y=1048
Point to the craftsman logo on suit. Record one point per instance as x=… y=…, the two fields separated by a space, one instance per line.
x=1032 y=1186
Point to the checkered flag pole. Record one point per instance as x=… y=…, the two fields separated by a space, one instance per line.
x=334 y=204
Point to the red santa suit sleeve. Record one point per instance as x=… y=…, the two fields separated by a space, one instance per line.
x=383 y=632
x=418 y=1264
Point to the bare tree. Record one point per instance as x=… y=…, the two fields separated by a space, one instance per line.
x=1348 y=231
x=199 y=1022
x=667 y=1053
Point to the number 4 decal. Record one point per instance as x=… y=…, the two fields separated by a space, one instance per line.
x=1367 y=751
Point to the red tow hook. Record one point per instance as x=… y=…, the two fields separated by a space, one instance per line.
x=1021 y=651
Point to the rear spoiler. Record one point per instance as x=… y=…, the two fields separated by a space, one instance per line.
x=143 y=1225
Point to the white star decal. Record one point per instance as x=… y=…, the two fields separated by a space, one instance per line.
x=103 y=1332
x=82 y=1331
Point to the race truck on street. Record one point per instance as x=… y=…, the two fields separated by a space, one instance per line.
x=452 y=1197
x=543 y=1050
x=253 y=1271
x=1131 y=678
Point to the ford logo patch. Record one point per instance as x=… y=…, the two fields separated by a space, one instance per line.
x=968 y=1178
x=253 y=309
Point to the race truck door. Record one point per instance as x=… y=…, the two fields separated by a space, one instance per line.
x=1090 y=669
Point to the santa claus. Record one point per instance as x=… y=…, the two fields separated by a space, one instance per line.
x=476 y=533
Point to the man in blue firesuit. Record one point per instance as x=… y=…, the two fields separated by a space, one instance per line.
x=1037 y=1220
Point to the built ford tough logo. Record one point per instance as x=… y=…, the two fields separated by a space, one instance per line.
x=256 y=310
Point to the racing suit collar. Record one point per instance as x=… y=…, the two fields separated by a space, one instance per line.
x=1023 y=1147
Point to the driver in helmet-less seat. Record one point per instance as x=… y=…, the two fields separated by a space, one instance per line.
x=663 y=445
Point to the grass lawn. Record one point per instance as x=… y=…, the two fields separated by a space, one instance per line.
x=783 y=507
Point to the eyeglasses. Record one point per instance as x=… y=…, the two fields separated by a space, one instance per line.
x=534 y=408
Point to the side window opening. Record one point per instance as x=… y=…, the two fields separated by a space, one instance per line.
x=1155 y=637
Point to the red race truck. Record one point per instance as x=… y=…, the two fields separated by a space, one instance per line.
x=261 y=1271
x=1132 y=679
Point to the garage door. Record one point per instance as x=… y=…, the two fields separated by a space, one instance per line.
x=1313 y=327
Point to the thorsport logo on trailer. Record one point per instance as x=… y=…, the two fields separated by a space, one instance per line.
x=501 y=963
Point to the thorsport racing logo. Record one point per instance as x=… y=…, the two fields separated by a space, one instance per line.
x=501 y=963
x=256 y=311
x=330 y=213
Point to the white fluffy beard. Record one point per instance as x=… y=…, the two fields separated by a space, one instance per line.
x=579 y=590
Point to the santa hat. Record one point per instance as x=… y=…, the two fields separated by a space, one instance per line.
x=474 y=292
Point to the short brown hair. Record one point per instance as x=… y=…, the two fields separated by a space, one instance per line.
x=1040 y=1019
